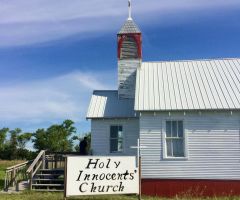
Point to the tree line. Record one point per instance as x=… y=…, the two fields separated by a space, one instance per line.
x=56 y=138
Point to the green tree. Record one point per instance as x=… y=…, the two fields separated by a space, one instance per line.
x=14 y=147
x=57 y=138
x=23 y=139
x=3 y=134
x=13 y=143
x=22 y=152
x=88 y=135
x=40 y=139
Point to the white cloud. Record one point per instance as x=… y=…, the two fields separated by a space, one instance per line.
x=27 y=22
x=51 y=100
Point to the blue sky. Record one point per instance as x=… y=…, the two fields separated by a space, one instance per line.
x=54 y=53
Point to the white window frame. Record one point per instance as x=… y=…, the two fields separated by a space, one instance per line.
x=164 y=141
x=123 y=140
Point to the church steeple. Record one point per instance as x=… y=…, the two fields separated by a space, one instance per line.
x=129 y=33
x=129 y=56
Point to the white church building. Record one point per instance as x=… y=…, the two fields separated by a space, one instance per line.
x=187 y=114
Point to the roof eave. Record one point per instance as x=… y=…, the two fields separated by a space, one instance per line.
x=132 y=117
x=190 y=110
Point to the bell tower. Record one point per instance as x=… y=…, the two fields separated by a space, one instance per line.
x=129 y=56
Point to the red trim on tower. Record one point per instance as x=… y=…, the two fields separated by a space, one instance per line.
x=138 y=39
x=120 y=41
x=204 y=188
x=136 y=36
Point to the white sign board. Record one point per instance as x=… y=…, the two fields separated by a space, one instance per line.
x=101 y=175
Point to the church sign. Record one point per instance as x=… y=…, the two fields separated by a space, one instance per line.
x=100 y=175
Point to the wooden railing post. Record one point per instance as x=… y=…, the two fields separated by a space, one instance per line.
x=55 y=158
x=52 y=158
x=30 y=180
x=13 y=177
x=43 y=160
x=5 y=181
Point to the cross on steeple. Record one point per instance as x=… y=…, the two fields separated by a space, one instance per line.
x=129 y=10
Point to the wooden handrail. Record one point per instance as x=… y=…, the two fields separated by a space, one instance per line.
x=11 y=174
x=35 y=161
x=62 y=153
x=18 y=166
x=38 y=166
x=39 y=160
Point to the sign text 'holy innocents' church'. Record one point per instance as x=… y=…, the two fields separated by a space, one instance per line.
x=101 y=175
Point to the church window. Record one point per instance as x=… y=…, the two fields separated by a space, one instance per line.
x=116 y=138
x=175 y=144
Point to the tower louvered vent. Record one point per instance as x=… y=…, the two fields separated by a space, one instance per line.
x=129 y=48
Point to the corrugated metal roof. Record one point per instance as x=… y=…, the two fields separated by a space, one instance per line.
x=129 y=27
x=106 y=104
x=188 y=85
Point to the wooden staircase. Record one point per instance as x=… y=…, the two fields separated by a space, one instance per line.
x=45 y=173
x=48 y=180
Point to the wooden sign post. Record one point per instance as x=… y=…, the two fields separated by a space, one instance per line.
x=65 y=178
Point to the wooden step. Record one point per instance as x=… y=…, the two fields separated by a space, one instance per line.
x=47 y=190
x=48 y=174
x=47 y=179
x=53 y=169
x=49 y=184
x=47 y=170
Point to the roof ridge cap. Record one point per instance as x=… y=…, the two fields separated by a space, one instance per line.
x=193 y=60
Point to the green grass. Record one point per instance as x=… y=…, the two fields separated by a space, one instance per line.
x=3 y=165
x=59 y=196
x=2 y=176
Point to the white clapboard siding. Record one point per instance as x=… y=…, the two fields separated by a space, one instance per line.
x=213 y=143
x=101 y=135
